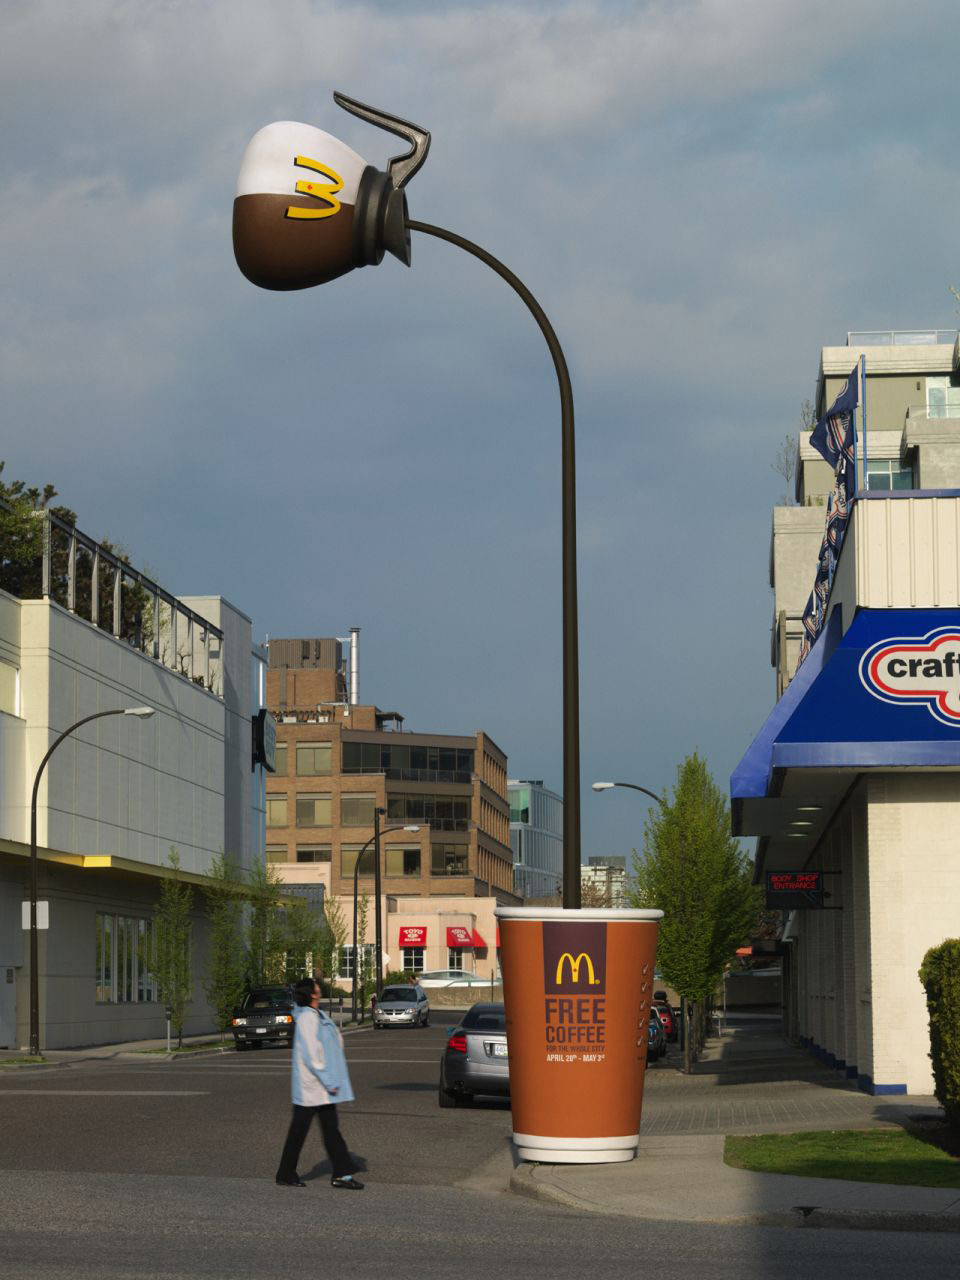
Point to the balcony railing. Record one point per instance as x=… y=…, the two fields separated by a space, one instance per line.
x=901 y=337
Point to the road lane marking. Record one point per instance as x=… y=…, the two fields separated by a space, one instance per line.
x=107 y=1093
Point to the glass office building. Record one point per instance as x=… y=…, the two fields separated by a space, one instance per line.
x=536 y=838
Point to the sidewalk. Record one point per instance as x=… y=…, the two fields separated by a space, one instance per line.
x=749 y=1081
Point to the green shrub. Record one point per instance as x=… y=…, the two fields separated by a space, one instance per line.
x=399 y=976
x=940 y=975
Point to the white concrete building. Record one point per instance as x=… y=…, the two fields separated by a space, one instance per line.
x=856 y=772
x=120 y=793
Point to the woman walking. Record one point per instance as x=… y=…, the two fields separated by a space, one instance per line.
x=320 y=1081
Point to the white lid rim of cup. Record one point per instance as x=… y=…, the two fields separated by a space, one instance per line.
x=625 y=914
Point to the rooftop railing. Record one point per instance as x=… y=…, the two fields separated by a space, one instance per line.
x=901 y=337
x=95 y=583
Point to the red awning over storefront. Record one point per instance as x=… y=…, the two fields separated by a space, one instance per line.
x=414 y=935
x=458 y=935
x=478 y=940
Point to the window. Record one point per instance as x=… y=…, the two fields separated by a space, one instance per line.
x=9 y=686
x=412 y=961
x=313 y=853
x=361 y=757
x=357 y=810
x=442 y=813
x=455 y=959
x=887 y=473
x=943 y=400
x=313 y=759
x=402 y=862
x=520 y=806
x=124 y=960
x=346 y=960
x=449 y=860
x=276 y=811
x=348 y=860
x=281 y=760
x=313 y=811
x=277 y=853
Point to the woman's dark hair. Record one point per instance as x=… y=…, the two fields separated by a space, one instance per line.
x=303 y=991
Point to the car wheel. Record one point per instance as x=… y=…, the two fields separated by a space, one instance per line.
x=444 y=1098
x=426 y=1020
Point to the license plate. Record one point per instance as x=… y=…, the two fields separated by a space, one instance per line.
x=261 y=1031
x=499 y=1050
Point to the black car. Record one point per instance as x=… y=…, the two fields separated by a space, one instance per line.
x=265 y=1015
x=475 y=1058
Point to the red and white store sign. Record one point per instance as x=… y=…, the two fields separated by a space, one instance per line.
x=413 y=935
x=459 y=935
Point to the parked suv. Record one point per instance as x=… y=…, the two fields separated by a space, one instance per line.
x=401 y=1006
x=266 y=1014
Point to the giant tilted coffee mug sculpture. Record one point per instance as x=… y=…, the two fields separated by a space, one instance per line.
x=309 y=209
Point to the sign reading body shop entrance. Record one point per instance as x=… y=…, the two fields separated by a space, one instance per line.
x=577 y=988
x=794 y=890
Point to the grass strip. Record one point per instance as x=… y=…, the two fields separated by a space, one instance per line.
x=857 y=1155
x=204 y=1047
x=30 y=1061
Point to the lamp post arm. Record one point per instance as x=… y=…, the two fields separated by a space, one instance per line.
x=571 y=660
x=34 y=948
x=646 y=791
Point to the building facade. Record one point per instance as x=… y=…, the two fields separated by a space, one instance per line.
x=855 y=776
x=603 y=881
x=118 y=795
x=342 y=765
x=536 y=838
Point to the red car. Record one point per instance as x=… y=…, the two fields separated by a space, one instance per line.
x=667 y=1018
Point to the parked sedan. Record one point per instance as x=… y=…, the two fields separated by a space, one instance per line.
x=475 y=1059
x=401 y=1007
x=266 y=1014
x=657 y=1042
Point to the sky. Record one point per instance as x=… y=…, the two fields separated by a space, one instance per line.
x=700 y=193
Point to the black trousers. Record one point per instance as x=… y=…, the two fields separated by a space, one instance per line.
x=332 y=1140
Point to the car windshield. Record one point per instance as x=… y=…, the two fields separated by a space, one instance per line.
x=401 y=994
x=278 y=999
x=485 y=1020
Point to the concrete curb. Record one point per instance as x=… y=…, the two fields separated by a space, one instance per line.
x=523 y=1182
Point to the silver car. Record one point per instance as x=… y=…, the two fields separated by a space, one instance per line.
x=475 y=1059
x=401 y=1007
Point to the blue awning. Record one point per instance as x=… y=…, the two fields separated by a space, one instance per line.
x=884 y=694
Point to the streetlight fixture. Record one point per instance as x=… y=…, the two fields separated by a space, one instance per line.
x=378 y=943
x=309 y=209
x=605 y=786
x=140 y=712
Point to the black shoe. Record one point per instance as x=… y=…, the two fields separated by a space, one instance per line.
x=290 y=1182
x=347 y=1182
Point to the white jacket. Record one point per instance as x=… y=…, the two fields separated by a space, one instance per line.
x=311 y=1066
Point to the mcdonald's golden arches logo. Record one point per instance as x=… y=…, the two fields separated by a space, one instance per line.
x=582 y=958
x=574 y=957
x=326 y=192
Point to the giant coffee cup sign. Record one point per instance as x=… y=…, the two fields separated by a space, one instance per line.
x=577 y=986
x=309 y=209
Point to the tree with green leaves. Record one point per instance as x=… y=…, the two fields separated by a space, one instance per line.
x=226 y=972
x=362 y=962
x=173 y=927
x=266 y=940
x=304 y=930
x=332 y=938
x=695 y=871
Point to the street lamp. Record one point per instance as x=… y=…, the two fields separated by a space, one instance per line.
x=142 y=713
x=605 y=786
x=378 y=936
x=309 y=209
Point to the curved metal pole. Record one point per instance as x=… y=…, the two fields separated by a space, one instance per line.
x=571 y=659
x=375 y=838
x=34 y=960
x=646 y=791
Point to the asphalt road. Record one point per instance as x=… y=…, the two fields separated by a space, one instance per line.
x=116 y=1170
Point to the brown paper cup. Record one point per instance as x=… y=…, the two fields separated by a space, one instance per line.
x=577 y=987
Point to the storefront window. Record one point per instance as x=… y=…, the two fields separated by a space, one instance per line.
x=413 y=959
